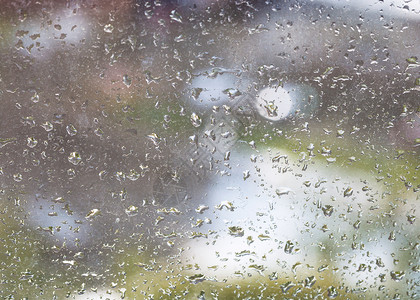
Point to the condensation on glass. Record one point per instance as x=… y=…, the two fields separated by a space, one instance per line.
x=209 y=149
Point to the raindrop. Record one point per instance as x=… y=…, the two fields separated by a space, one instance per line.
x=236 y=231
x=133 y=175
x=201 y=209
x=176 y=16
x=35 y=98
x=197 y=278
x=288 y=248
x=348 y=192
x=32 y=142
x=74 y=158
x=71 y=130
x=310 y=281
x=127 y=80
x=109 y=28
x=195 y=120
x=328 y=210
x=332 y=292
x=47 y=126
x=17 y=177
x=93 y=213
x=132 y=210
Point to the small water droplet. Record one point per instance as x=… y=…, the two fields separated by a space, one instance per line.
x=328 y=210
x=283 y=191
x=74 y=158
x=35 y=98
x=236 y=231
x=127 y=80
x=154 y=138
x=17 y=177
x=108 y=28
x=133 y=175
x=332 y=292
x=273 y=276
x=348 y=192
x=132 y=210
x=71 y=130
x=195 y=120
x=197 y=278
x=228 y=205
x=285 y=287
x=93 y=213
x=32 y=142
x=176 y=16
x=310 y=281
x=71 y=172
x=102 y=174
x=288 y=248
x=201 y=209
x=47 y=126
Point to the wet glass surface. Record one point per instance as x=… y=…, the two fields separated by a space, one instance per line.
x=209 y=149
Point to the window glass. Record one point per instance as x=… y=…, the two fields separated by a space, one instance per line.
x=188 y=149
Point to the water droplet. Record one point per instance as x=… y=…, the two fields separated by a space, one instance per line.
x=58 y=200
x=133 y=175
x=35 y=98
x=198 y=223
x=232 y=93
x=411 y=219
x=273 y=276
x=47 y=126
x=283 y=191
x=392 y=237
x=263 y=237
x=197 y=278
x=201 y=209
x=74 y=158
x=93 y=213
x=154 y=138
x=71 y=172
x=71 y=130
x=259 y=268
x=285 y=287
x=228 y=205
x=32 y=142
x=332 y=292
x=120 y=176
x=108 y=28
x=328 y=210
x=310 y=281
x=102 y=174
x=249 y=240
x=166 y=211
x=236 y=231
x=132 y=210
x=17 y=177
x=348 y=192
x=176 y=16
x=195 y=120
x=288 y=248
x=127 y=80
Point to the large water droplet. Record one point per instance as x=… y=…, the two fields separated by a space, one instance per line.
x=74 y=158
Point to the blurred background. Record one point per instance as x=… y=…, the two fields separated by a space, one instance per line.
x=188 y=149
